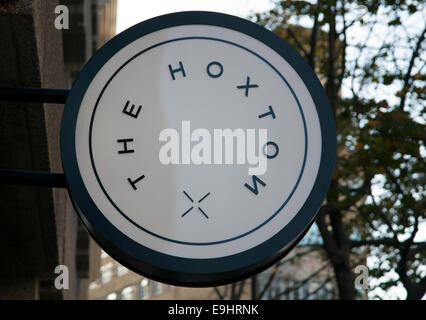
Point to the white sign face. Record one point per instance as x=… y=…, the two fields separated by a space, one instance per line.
x=198 y=144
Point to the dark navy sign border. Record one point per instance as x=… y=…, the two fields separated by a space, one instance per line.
x=198 y=243
x=185 y=271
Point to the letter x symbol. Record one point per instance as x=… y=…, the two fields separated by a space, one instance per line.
x=199 y=201
x=247 y=86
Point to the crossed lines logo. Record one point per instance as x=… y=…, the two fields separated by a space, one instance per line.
x=196 y=204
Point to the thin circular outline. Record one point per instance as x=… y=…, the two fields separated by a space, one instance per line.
x=186 y=242
x=192 y=271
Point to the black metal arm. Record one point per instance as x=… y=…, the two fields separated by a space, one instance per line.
x=25 y=177
x=33 y=95
x=33 y=178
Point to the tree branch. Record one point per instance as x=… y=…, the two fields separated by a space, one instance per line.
x=394 y=180
x=240 y=290
x=278 y=265
x=330 y=244
x=386 y=242
x=313 y=40
x=343 y=55
x=216 y=289
x=233 y=285
x=406 y=80
x=301 y=283
x=385 y=218
x=322 y=285
x=331 y=76
x=359 y=193
x=420 y=289
x=268 y=283
x=296 y=41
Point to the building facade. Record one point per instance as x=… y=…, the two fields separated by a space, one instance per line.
x=302 y=275
x=39 y=229
x=116 y=282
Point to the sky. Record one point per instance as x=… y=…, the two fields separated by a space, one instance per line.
x=130 y=12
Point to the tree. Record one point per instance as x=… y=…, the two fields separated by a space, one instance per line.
x=307 y=276
x=370 y=57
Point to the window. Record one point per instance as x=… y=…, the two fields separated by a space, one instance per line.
x=296 y=291
x=128 y=293
x=121 y=270
x=306 y=291
x=314 y=290
x=283 y=288
x=157 y=288
x=290 y=289
x=112 y=296
x=276 y=290
x=328 y=291
x=93 y=285
x=143 y=289
x=106 y=272
x=106 y=276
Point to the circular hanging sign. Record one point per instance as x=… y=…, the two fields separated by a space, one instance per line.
x=197 y=147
